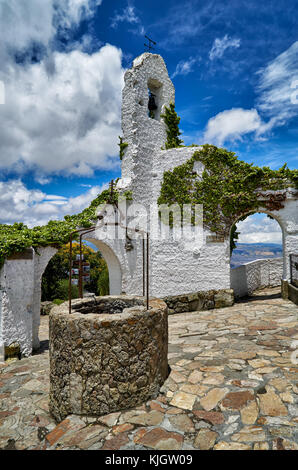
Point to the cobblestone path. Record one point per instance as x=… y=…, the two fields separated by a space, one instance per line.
x=233 y=385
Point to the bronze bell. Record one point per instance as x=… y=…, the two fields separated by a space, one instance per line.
x=151 y=103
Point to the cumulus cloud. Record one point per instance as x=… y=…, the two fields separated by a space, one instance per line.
x=61 y=114
x=233 y=124
x=259 y=229
x=220 y=45
x=71 y=12
x=184 y=67
x=34 y=207
x=277 y=103
x=24 y=22
x=66 y=121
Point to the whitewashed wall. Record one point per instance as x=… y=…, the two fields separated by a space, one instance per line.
x=176 y=267
x=257 y=274
x=20 y=290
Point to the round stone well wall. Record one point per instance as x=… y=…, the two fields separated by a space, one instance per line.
x=109 y=354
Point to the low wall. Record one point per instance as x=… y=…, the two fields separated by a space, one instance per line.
x=199 y=301
x=256 y=275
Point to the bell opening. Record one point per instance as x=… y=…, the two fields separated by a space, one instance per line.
x=154 y=99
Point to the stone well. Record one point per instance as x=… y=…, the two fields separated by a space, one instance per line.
x=109 y=354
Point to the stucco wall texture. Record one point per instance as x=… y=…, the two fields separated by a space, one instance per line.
x=20 y=292
x=255 y=275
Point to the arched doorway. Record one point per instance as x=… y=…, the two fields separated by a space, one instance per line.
x=258 y=258
x=101 y=272
x=114 y=268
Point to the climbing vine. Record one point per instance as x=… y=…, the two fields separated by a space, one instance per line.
x=17 y=237
x=122 y=147
x=228 y=188
x=172 y=120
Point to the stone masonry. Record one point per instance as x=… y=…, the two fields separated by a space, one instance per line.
x=109 y=354
x=233 y=386
x=199 y=301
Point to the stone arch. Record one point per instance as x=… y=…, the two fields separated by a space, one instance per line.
x=242 y=274
x=114 y=267
x=41 y=260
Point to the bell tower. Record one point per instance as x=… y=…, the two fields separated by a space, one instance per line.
x=148 y=89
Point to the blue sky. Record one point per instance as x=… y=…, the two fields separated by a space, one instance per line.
x=62 y=62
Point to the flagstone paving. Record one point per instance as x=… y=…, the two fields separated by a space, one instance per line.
x=233 y=385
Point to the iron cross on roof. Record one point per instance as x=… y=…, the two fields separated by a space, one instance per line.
x=150 y=44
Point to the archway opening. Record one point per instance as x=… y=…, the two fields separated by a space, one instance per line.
x=114 y=272
x=55 y=279
x=257 y=256
x=154 y=98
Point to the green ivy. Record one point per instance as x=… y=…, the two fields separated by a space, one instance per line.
x=172 y=120
x=228 y=188
x=122 y=147
x=17 y=237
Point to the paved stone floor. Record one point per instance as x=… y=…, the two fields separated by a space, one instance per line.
x=233 y=385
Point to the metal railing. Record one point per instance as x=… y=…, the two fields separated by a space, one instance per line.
x=294 y=269
x=100 y=222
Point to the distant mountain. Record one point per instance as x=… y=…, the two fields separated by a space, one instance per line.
x=246 y=252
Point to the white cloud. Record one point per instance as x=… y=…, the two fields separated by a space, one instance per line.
x=275 y=90
x=184 y=67
x=233 y=124
x=26 y=21
x=62 y=114
x=220 y=45
x=277 y=100
x=33 y=207
x=128 y=15
x=66 y=121
x=259 y=229
x=71 y=12
x=42 y=179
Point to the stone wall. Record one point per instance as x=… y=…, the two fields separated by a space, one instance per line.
x=199 y=301
x=256 y=275
x=103 y=362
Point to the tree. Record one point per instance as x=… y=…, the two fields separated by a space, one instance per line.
x=103 y=283
x=58 y=268
x=172 y=120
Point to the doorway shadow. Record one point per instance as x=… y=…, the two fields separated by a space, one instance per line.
x=44 y=346
x=259 y=296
